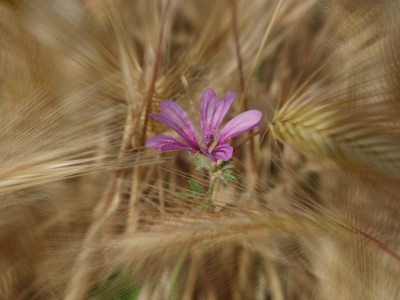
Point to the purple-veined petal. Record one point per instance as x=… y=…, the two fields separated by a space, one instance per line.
x=212 y=112
x=222 y=152
x=174 y=116
x=239 y=124
x=166 y=142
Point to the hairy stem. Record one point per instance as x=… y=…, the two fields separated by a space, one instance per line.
x=211 y=186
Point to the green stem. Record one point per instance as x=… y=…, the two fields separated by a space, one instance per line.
x=211 y=186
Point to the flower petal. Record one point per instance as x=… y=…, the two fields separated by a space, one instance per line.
x=175 y=117
x=166 y=142
x=241 y=123
x=223 y=152
x=213 y=111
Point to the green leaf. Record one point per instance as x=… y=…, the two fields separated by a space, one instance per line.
x=227 y=166
x=194 y=188
x=227 y=176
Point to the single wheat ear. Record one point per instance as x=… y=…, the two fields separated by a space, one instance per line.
x=351 y=117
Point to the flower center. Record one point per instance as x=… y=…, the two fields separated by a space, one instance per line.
x=208 y=140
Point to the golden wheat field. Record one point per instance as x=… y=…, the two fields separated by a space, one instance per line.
x=308 y=207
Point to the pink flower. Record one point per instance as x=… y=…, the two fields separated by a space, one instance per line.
x=212 y=112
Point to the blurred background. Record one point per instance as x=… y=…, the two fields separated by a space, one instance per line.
x=88 y=212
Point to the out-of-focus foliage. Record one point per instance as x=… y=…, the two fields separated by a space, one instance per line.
x=314 y=213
